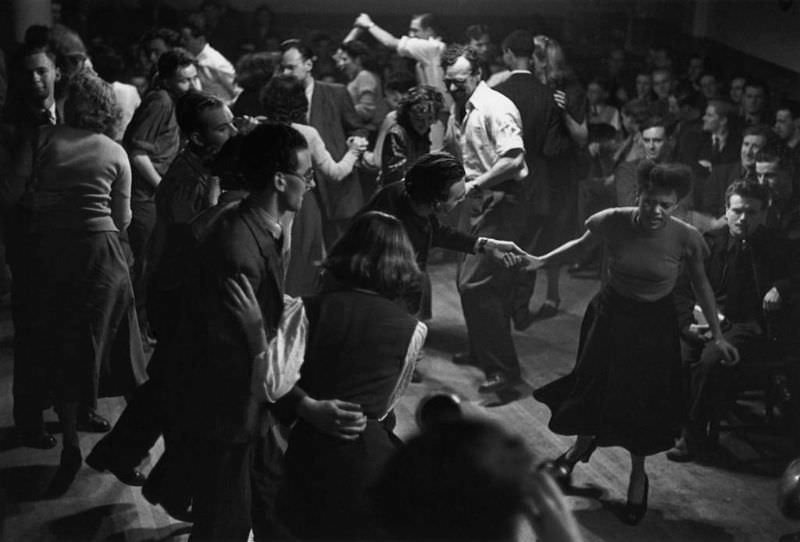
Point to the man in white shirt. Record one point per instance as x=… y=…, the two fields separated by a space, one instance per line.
x=423 y=44
x=485 y=132
x=216 y=73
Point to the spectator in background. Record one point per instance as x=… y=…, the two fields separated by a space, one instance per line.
x=599 y=111
x=754 y=102
x=110 y=67
x=688 y=135
x=709 y=86
x=478 y=37
x=787 y=129
x=695 y=70
x=216 y=73
x=783 y=212
x=644 y=86
x=253 y=72
x=662 y=88
x=722 y=141
x=736 y=92
x=155 y=43
x=259 y=31
x=222 y=27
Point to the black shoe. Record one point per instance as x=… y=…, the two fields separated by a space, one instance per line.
x=497 y=382
x=522 y=320
x=92 y=422
x=561 y=468
x=100 y=460
x=180 y=509
x=40 y=439
x=548 y=309
x=633 y=513
x=67 y=471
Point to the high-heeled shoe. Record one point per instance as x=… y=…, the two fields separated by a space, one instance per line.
x=561 y=468
x=634 y=512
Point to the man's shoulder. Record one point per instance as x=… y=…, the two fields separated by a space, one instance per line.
x=329 y=88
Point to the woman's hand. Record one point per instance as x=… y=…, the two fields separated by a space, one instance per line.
x=729 y=352
x=241 y=300
x=561 y=99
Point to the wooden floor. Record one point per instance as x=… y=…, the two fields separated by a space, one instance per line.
x=734 y=500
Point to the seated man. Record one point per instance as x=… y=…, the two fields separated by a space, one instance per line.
x=752 y=276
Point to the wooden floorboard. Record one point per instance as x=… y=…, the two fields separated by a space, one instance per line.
x=690 y=502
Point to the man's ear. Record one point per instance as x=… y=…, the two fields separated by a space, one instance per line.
x=279 y=181
x=58 y=74
x=195 y=138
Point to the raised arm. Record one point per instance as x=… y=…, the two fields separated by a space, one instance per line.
x=387 y=39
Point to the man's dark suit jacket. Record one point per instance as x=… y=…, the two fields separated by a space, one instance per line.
x=332 y=113
x=216 y=364
x=540 y=125
x=775 y=262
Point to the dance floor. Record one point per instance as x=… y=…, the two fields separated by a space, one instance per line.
x=731 y=499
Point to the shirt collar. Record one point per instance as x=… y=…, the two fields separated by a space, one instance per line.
x=481 y=96
x=269 y=222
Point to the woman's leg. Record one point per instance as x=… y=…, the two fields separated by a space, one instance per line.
x=581 y=450
x=637 y=490
x=71 y=459
x=553 y=279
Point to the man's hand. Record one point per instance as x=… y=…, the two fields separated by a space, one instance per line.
x=504 y=246
x=363 y=21
x=334 y=418
x=471 y=188
x=772 y=300
x=729 y=352
x=561 y=99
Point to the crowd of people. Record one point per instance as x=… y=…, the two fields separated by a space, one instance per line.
x=164 y=226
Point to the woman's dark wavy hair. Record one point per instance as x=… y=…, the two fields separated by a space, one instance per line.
x=358 y=50
x=90 y=104
x=284 y=99
x=667 y=177
x=430 y=178
x=375 y=253
x=425 y=95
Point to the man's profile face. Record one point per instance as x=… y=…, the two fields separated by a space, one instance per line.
x=712 y=121
x=293 y=63
x=416 y=30
x=40 y=74
x=216 y=128
x=778 y=181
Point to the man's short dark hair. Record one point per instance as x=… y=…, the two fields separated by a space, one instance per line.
x=197 y=24
x=428 y=21
x=171 y=61
x=454 y=51
x=430 y=178
x=761 y=130
x=167 y=35
x=301 y=46
x=756 y=83
x=747 y=189
x=792 y=107
x=189 y=108
x=519 y=42
x=723 y=108
x=653 y=122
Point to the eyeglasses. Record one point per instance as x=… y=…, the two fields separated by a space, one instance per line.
x=459 y=83
x=308 y=177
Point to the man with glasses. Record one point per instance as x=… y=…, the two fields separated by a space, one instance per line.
x=485 y=131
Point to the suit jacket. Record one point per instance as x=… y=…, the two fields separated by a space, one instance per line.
x=332 y=113
x=216 y=365
x=775 y=263
x=540 y=125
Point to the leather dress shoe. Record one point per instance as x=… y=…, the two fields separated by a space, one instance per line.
x=100 y=460
x=561 y=468
x=40 y=439
x=92 y=422
x=523 y=319
x=67 y=471
x=497 y=382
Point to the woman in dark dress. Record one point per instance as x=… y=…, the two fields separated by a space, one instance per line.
x=625 y=388
x=79 y=196
x=362 y=346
